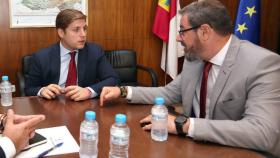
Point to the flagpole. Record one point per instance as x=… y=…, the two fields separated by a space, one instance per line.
x=165 y=66
x=279 y=43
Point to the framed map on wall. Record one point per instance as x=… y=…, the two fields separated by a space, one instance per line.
x=41 y=13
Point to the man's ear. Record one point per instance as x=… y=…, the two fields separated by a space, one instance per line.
x=60 y=32
x=204 y=31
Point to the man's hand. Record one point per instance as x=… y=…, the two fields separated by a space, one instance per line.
x=22 y=118
x=77 y=93
x=109 y=93
x=170 y=125
x=51 y=91
x=19 y=128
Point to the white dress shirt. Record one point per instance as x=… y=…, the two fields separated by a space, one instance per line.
x=8 y=147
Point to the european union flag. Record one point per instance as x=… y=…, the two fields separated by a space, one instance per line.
x=247 y=25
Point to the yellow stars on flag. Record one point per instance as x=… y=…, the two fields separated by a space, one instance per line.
x=247 y=24
x=242 y=27
x=251 y=11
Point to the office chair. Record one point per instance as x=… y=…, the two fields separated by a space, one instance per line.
x=124 y=63
x=21 y=75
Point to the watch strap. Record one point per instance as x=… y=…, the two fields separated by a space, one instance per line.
x=179 y=126
x=123 y=91
x=2 y=119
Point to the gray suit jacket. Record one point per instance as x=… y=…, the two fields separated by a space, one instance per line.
x=245 y=100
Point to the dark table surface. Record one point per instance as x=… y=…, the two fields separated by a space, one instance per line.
x=61 y=111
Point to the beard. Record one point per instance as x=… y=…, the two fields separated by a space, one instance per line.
x=190 y=53
x=193 y=52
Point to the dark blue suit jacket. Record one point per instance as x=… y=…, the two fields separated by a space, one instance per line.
x=94 y=70
x=2 y=153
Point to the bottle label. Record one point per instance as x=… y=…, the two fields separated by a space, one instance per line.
x=119 y=140
x=159 y=115
x=88 y=135
x=7 y=89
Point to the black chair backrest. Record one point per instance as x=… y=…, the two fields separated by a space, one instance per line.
x=124 y=63
x=23 y=74
x=26 y=62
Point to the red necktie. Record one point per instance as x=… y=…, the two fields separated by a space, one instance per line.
x=203 y=89
x=72 y=71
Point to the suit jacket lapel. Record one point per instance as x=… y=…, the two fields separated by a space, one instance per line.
x=194 y=68
x=55 y=63
x=82 y=58
x=223 y=74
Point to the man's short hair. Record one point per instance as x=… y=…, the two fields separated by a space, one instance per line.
x=66 y=17
x=211 y=12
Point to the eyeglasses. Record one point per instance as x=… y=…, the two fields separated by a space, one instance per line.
x=186 y=30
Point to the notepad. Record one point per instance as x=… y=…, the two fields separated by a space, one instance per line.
x=52 y=134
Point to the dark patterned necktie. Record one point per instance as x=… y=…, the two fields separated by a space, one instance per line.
x=72 y=71
x=203 y=89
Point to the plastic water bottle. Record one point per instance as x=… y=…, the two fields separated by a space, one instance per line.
x=89 y=136
x=159 y=120
x=119 y=138
x=6 y=89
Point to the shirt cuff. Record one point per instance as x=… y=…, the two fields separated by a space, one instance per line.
x=39 y=93
x=93 y=93
x=8 y=147
x=129 y=93
x=191 y=128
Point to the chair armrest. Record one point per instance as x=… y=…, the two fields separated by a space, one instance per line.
x=21 y=83
x=151 y=72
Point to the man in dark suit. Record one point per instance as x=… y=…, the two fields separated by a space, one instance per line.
x=72 y=67
x=13 y=142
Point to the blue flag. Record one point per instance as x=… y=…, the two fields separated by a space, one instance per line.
x=247 y=25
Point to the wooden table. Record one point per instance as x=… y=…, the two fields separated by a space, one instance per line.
x=62 y=111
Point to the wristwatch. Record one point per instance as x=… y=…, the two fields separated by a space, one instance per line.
x=179 y=122
x=2 y=120
x=123 y=91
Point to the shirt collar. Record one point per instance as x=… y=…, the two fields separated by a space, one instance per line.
x=219 y=58
x=64 y=51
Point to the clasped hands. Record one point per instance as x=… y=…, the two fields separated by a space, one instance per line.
x=74 y=92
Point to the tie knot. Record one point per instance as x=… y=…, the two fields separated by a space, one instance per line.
x=72 y=54
x=207 y=65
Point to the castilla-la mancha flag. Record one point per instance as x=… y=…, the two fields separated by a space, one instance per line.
x=166 y=26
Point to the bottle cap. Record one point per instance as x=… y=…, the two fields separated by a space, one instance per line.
x=5 y=78
x=159 y=101
x=90 y=115
x=120 y=118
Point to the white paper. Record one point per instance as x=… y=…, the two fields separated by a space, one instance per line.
x=60 y=132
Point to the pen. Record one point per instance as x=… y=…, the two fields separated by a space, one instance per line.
x=49 y=150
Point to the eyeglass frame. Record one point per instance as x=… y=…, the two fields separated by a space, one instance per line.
x=189 y=29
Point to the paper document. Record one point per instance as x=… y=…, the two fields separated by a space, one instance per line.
x=62 y=133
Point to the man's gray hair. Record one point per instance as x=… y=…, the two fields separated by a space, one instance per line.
x=211 y=12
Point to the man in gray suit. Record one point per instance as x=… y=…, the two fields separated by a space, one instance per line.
x=241 y=102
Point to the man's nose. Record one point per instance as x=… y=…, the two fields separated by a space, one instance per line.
x=83 y=33
x=178 y=38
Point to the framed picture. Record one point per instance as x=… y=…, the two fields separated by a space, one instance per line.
x=41 y=13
